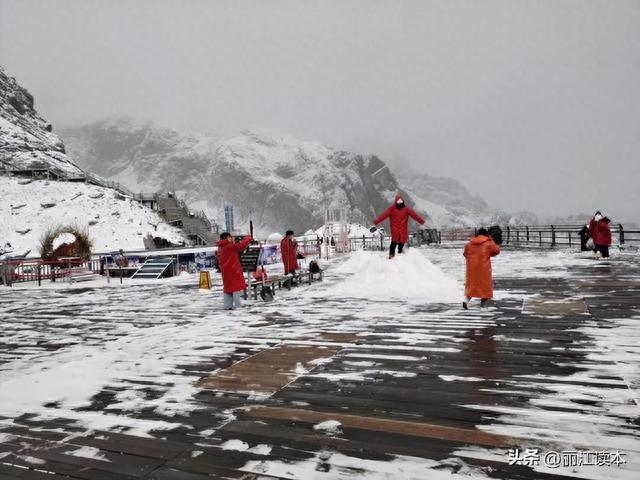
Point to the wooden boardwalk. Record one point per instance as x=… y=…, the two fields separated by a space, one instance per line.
x=433 y=392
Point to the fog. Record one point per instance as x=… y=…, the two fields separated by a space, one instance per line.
x=533 y=105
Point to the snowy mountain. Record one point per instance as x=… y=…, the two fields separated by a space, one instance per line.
x=443 y=191
x=279 y=181
x=26 y=139
x=30 y=207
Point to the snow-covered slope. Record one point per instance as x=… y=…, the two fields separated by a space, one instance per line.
x=113 y=221
x=26 y=139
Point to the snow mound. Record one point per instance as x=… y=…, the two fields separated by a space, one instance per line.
x=410 y=277
x=329 y=427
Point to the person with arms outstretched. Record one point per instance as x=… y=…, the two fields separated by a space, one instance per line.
x=398 y=215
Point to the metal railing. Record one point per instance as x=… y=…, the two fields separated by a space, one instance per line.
x=562 y=235
x=38 y=270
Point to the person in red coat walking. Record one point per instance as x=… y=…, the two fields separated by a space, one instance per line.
x=479 y=281
x=289 y=253
x=600 y=233
x=398 y=215
x=233 y=283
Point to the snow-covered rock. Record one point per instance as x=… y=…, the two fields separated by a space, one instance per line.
x=27 y=141
x=112 y=223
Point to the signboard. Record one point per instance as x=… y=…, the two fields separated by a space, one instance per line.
x=228 y=217
x=270 y=254
x=204 y=260
x=249 y=258
x=205 y=279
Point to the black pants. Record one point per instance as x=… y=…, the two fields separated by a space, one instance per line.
x=392 y=248
x=603 y=249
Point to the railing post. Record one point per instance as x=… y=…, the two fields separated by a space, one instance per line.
x=39 y=275
x=540 y=237
x=527 y=228
x=553 y=236
x=508 y=234
x=569 y=238
x=621 y=233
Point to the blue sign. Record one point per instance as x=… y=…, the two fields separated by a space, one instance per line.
x=228 y=217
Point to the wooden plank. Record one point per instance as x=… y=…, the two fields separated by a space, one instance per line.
x=267 y=371
x=548 y=305
x=417 y=429
x=608 y=283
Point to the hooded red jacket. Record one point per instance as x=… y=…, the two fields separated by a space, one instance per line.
x=289 y=253
x=399 y=219
x=600 y=231
x=230 y=266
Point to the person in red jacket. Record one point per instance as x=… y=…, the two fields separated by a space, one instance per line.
x=289 y=253
x=479 y=281
x=398 y=215
x=600 y=233
x=233 y=283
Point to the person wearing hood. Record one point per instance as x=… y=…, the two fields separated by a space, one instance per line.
x=479 y=281
x=398 y=215
x=289 y=253
x=600 y=233
x=233 y=283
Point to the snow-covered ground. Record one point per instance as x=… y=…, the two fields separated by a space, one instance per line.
x=68 y=348
x=28 y=210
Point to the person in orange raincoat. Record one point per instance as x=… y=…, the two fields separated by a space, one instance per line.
x=479 y=282
x=398 y=215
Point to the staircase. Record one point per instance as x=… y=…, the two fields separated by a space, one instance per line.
x=196 y=227
x=155 y=267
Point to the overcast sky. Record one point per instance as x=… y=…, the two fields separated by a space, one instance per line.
x=533 y=104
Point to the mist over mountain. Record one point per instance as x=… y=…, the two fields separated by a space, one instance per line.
x=277 y=180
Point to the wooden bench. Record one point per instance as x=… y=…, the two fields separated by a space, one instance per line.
x=283 y=281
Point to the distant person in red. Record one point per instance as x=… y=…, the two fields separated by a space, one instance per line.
x=398 y=215
x=233 y=283
x=600 y=233
x=479 y=281
x=289 y=253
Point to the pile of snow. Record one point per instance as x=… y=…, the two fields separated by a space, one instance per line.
x=113 y=222
x=329 y=427
x=410 y=277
